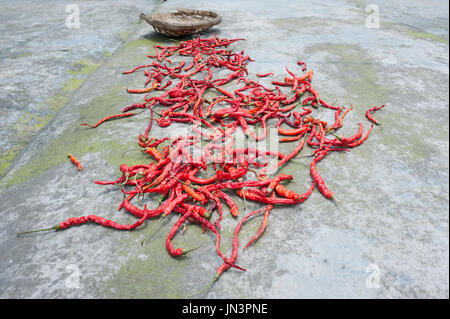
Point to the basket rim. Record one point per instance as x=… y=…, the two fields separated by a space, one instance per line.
x=156 y=20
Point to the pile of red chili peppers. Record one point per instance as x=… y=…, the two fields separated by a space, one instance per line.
x=178 y=176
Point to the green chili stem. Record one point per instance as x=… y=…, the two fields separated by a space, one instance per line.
x=335 y=136
x=204 y=290
x=39 y=230
x=159 y=226
x=190 y=185
x=299 y=163
x=186 y=251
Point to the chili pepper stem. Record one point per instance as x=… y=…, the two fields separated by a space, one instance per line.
x=338 y=137
x=159 y=226
x=299 y=163
x=336 y=200
x=186 y=251
x=157 y=113
x=193 y=186
x=56 y=227
x=204 y=290
x=161 y=198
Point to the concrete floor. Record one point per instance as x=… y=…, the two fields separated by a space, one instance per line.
x=387 y=238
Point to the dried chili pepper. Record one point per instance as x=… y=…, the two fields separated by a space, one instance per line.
x=262 y=226
x=372 y=110
x=263 y=75
x=146 y=90
x=74 y=160
x=316 y=176
x=179 y=251
x=111 y=117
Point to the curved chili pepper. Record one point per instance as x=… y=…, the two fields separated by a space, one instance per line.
x=179 y=251
x=74 y=160
x=372 y=110
x=287 y=193
x=292 y=132
x=153 y=152
x=303 y=65
x=360 y=141
x=234 y=253
x=316 y=176
x=265 y=200
x=262 y=226
x=234 y=211
x=195 y=195
x=332 y=107
x=146 y=90
x=137 y=68
x=111 y=117
x=263 y=75
x=75 y=221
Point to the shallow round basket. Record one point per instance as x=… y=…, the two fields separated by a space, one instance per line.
x=183 y=22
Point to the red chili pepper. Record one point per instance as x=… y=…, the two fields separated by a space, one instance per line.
x=372 y=110
x=146 y=90
x=316 y=176
x=74 y=160
x=133 y=209
x=277 y=180
x=322 y=102
x=213 y=228
x=306 y=76
x=249 y=195
x=195 y=195
x=137 y=68
x=262 y=226
x=111 y=117
x=153 y=152
x=234 y=253
x=287 y=193
x=291 y=138
x=179 y=251
x=303 y=65
x=201 y=211
x=344 y=141
x=75 y=221
x=345 y=113
x=234 y=211
x=295 y=80
x=293 y=132
x=264 y=75
x=291 y=155
x=360 y=141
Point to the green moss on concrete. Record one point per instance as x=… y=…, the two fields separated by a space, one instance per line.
x=426 y=36
x=356 y=72
x=6 y=158
x=53 y=103
x=83 y=67
x=29 y=124
x=73 y=84
x=123 y=35
x=25 y=54
x=410 y=31
x=151 y=272
x=132 y=53
x=79 y=140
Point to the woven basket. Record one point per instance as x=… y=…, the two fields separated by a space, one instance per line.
x=183 y=22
